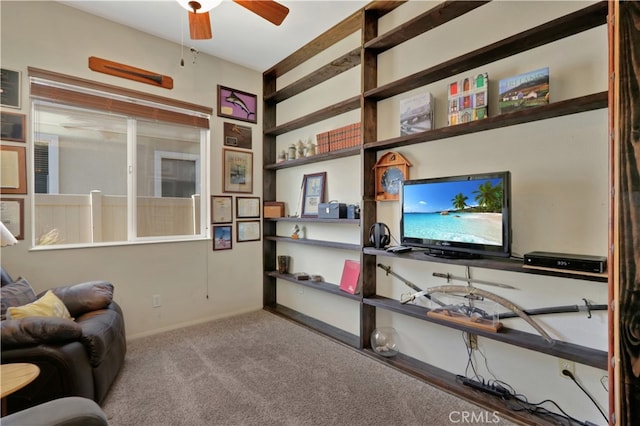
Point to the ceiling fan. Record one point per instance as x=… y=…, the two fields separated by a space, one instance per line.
x=200 y=25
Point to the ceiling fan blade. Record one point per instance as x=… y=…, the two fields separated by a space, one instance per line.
x=199 y=26
x=270 y=10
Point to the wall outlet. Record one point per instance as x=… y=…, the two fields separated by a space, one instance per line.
x=155 y=301
x=570 y=366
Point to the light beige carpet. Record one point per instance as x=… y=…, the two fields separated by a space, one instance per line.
x=260 y=369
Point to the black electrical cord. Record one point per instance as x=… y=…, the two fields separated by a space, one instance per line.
x=572 y=377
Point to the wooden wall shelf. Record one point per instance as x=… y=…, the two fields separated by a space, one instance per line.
x=325 y=156
x=322 y=114
x=314 y=220
x=557 y=29
x=511 y=265
x=317 y=285
x=315 y=325
x=320 y=243
x=552 y=110
x=580 y=354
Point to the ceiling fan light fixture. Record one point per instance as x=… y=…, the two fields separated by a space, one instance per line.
x=200 y=6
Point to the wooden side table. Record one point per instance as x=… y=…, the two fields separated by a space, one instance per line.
x=14 y=377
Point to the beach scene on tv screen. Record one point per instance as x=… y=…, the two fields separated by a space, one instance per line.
x=461 y=211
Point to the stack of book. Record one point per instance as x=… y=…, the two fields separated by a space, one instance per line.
x=344 y=137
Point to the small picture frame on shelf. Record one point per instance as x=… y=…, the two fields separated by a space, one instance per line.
x=221 y=209
x=248 y=230
x=313 y=188
x=247 y=207
x=222 y=237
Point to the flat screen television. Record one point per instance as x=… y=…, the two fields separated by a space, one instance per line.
x=458 y=216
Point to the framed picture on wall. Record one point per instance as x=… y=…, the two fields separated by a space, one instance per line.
x=222 y=237
x=237 y=136
x=12 y=215
x=236 y=104
x=10 y=88
x=248 y=230
x=221 y=208
x=237 y=171
x=247 y=207
x=13 y=174
x=12 y=126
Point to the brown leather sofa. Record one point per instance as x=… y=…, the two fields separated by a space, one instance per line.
x=80 y=357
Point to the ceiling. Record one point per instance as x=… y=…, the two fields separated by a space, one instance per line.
x=239 y=35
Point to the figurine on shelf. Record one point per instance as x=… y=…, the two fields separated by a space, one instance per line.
x=291 y=153
x=296 y=232
x=300 y=150
x=282 y=156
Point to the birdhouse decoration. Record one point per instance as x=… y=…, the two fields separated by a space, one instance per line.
x=390 y=170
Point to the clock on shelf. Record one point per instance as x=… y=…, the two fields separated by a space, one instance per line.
x=390 y=170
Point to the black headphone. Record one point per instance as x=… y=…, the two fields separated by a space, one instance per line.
x=379 y=235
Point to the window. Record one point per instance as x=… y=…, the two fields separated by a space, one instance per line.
x=111 y=168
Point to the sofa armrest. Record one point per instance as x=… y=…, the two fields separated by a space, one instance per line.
x=100 y=330
x=69 y=411
x=85 y=297
x=32 y=331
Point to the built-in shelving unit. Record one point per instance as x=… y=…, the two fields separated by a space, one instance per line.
x=372 y=45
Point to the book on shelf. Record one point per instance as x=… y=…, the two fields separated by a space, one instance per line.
x=523 y=91
x=416 y=114
x=468 y=99
x=350 y=276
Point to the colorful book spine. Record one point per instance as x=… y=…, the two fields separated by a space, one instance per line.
x=468 y=99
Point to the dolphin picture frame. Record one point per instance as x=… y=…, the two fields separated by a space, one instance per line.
x=237 y=104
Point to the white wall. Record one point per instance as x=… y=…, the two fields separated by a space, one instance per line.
x=559 y=173
x=194 y=283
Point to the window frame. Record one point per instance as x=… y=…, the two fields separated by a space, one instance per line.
x=136 y=105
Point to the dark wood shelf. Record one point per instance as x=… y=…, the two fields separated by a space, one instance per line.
x=580 y=354
x=552 y=110
x=322 y=114
x=315 y=325
x=313 y=220
x=511 y=265
x=318 y=285
x=440 y=14
x=327 y=72
x=325 y=156
x=574 y=23
x=448 y=382
x=320 y=243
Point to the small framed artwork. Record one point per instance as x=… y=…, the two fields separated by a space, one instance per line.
x=221 y=209
x=237 y=104
x=222 y=237
x=237 y=171
x=12 y=126
x=248 y=230
x=312 y=193
x=10 y=83
x=13 y=175
x=12 y=215
x=237 y=136
x=247 y=207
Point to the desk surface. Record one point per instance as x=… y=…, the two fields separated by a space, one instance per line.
x=16 y=376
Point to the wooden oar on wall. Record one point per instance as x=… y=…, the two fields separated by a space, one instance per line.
x=129 y=72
